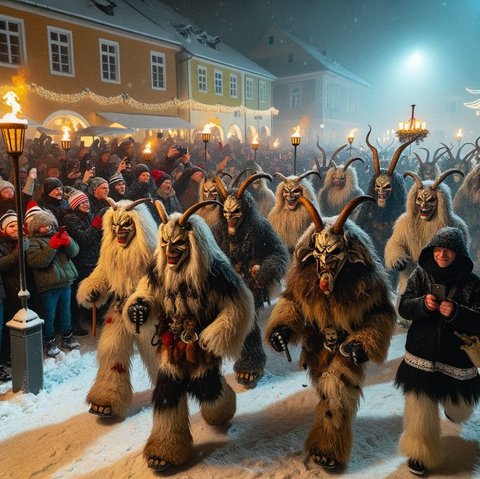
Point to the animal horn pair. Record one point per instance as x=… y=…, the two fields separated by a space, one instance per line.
x=342 y=217
x=129 y=207
x=298 y=178
x=251 y=179
x=437 y=182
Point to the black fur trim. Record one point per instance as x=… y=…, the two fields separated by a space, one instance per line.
x=206 y=388
x=167 y=392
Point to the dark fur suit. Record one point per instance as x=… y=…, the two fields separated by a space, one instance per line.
x=259 y=255
x=348 y=302
x=203 y=311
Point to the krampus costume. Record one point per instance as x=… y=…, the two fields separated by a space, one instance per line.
x=342 y=320
x=388 y=188
x=128 y=243
x=288 y=217
x=429 y=208
x=466 y=204
x=463 y=163
x=264 y=197
x=340 y=186
x=203 y=311
x=258 y=254
x=209 y=191
x=429 y=170
x=435 y=368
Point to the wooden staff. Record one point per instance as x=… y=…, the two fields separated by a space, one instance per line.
x=94 y=319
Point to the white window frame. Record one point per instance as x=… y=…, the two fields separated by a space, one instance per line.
x=68 y=44
x=202 y=79
x=218 y=82
x=233 y=85
x=262 y=91
x=116 y=56
x=157 y=65
x=295 y=93
x=248 y=88
x=21 y=42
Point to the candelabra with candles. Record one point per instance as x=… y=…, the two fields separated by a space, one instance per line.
x=255 y=148
x=412 y=128
x=459 y=137
x=205 y=139
x=295 y=140
x=25 y=326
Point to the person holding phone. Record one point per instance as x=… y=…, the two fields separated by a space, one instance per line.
x=442 y=299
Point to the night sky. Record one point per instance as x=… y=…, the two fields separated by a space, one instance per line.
x=373 y=39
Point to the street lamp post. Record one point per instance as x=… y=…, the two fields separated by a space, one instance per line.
x=295 y=140
x=66 y=144
x=25 y=326
x=459 y=137
x=350 y=139
x=255 y=148
x=205 y=139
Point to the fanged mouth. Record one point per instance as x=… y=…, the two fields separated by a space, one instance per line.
x=292 y=203
x=425 y=214
x=122 y=237
x=382 y=196
x=173 y=257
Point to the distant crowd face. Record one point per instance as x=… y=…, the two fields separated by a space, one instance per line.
x=7 y=194
x=120 y=187
x=144 y=177
x=84 y=207
x=443 y=256
x=101 y=193
x=166 y=186
x=56 y=193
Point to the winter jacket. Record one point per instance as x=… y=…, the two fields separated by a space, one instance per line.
x=9 y=270
x=434 y=364
x=52 y=268
x=57 y=207
x=170 y=201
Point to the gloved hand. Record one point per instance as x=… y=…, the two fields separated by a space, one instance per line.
x=280 y=337
x=138 y=313
x=65 y=239
x=94 y=296
x=55 y=242
x=355 y=350
x=400 y=265
x=97 y=222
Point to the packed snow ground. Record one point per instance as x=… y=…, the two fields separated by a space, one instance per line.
x=52 y=435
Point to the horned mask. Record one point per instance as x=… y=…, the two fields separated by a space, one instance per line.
x=292 y=189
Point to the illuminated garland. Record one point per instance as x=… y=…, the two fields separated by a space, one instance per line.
x=126 y=99
x=475 y=105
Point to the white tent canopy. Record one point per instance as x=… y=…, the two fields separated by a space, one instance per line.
x=147 y=122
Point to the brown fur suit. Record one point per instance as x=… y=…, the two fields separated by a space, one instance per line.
x=350 y=300
x=288 y=217
x=119 y=268
x=412 y=232
x=203 y=312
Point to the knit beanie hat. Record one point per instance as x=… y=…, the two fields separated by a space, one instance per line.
x=96 y=182
x=161 y=177
x=141 y=168
x=9 y=217
x=76 y=198
x=42 y=218
x=116 y=178
x=50 y=183
x=31 y=210
x=6 y=184
x=115 y=159
x=103 y=149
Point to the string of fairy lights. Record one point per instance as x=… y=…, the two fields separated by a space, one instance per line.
x=126 y=99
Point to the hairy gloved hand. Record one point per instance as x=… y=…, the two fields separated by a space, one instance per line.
x=355 y=350
x=138 y=313
x=400 y=264
x=94 y=296
x=280 y=337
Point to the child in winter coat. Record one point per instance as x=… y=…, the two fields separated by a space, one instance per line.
x=49 y=255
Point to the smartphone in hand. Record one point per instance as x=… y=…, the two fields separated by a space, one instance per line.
x=439 y=291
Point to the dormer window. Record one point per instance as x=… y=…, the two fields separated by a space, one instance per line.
x=106 y=6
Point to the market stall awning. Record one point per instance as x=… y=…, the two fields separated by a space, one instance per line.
x=147 y=122
x=99 y=130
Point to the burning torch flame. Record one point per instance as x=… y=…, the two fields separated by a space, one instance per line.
x=255 y=140
x=296 y=131
x=276 y=143
x=66 y=136
x=208 y=127
x=148 y=149
x=11 y=100
x=459 y=134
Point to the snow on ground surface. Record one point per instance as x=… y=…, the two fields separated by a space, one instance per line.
x=52 y=435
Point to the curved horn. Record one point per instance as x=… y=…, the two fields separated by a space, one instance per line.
x=332 y=164
x=251 y=179
x=308 y=173
x=427 y=158
x=350 y=161
x=224 y=173
x=183 y=219
x=347 y=211
x=236 y=180
x=338 y=150
x=376 y=161
x=112 y=203
x=413 y=175
x=220 y=186
x=137 y=202
x=162 y=212
x=419 y=159
x=280 y=175
x=319 y=167
x=446 y=173
x=322 y=151
x=312 y=211
x=398 y=152
x=461 y=148
x=437 y=155
x=449 y=151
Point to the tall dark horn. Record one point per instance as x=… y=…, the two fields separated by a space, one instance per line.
x=319 y=167
x=183 y=219
x=222 y=191
x=112 y=203
x=437 y=155
x=137 y=202
x=419 y=159
x=398 y=152
x=322 y=151
x=249 y=180
x=312 y=211
x=461 y=148
x=446 y=173
x=449 y=151
x=221 y=174
x=332 y=164
x=308 y=173
x=417 y=179
x=427 y=158
x=236 y=180
x=338 y=150
x=162 y=212
x=280 y=175
x=350 y=161
x=347 y=211
x=376 y=161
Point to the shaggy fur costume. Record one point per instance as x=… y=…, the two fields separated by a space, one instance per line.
x=254 y=243
x=411 y=233
x=208 y=191
x=291 y=224
x=204 y=288
x=357 y=309
x=115 y=277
